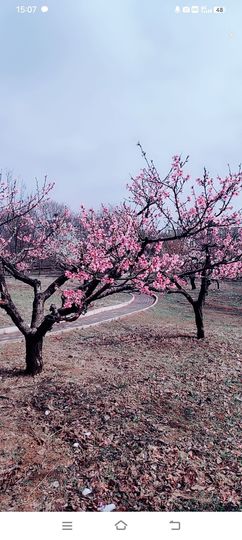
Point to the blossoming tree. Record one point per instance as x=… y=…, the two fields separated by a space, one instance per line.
x=131 y=245
x=13 y=204
x=215 y=254
x=202 y=229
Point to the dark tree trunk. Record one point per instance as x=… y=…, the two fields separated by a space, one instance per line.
x=34 y=361
x=207 y=285
x=193 y=283
x=198 y=310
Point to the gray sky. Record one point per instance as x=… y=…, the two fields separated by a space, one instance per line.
x=81 y=84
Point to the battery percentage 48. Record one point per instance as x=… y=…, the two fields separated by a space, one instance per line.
x=218 y=9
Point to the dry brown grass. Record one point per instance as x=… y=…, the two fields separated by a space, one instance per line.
x=156 y=415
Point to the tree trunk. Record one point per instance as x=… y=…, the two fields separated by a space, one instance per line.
x=198 y=310
x=193 y=283
x=34 y=361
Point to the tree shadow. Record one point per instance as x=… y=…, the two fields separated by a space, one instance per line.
x=7 y=373
x=183 y=336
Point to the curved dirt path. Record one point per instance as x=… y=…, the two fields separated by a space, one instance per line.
x=140 y=303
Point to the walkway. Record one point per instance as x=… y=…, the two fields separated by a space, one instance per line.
x=140 y=303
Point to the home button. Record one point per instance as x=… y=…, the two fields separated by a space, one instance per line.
x=121 y=525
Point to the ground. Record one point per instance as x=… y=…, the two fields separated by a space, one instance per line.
x=138 y=411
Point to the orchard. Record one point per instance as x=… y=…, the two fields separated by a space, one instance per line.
x=171 y=229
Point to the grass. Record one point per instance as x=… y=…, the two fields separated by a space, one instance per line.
x=137 y=410
x=22 y=295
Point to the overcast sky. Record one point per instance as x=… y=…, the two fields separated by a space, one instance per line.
x=81 y=84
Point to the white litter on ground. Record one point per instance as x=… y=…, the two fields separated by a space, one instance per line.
x=107 y=508
x=86 y=491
